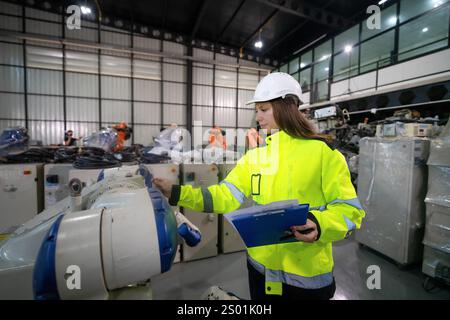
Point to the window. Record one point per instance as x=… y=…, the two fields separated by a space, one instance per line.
x=346 y=64
x=323 y=51
x=293 y=66
x=347 y=38
x=306 y=59
x=322 y=60
x=388 y=20
x=377 y=49
x=305 y=79
x=424 y=34
x=412 y=8
x=284 y=68
x=320 y=91
x=321 y=70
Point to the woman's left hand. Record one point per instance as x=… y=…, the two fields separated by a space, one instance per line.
x=312 y=234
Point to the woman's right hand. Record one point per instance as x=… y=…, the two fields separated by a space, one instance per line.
x=164 y=185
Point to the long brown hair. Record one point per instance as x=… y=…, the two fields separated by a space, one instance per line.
x=293 y=122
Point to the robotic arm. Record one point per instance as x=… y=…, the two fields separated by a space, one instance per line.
x=115 y=233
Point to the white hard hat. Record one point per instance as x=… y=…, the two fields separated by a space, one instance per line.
x=276 y=85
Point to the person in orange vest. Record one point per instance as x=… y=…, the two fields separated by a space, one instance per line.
x=217 y=137
x=254 y=139
x=123 y=133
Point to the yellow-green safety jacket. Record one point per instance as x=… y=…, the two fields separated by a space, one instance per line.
x=287 y=168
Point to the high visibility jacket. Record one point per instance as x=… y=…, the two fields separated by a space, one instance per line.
x=288 y=168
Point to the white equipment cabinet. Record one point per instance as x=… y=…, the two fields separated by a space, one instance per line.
x=201 y=175
x=436 y=260
x=392 y=185
x=21 y=194
x=230 y=240
x=56 y=180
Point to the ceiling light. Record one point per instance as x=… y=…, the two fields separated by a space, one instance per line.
x=425 y=29
x=348 y=49
x=258 y=43
x=327 y=69
x=437 y=4
x=302 y=65
x=381 y=2
x=393 y=20
x=85 y=10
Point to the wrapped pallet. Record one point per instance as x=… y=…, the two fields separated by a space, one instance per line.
x=392 y=185
x=436 y=261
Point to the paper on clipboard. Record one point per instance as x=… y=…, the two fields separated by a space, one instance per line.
x=267 y=224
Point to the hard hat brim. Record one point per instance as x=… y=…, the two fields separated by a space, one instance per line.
x=257 y=100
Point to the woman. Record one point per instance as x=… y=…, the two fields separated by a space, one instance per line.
x=296 y=163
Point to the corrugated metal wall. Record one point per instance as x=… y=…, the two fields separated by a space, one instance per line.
x=83 y=89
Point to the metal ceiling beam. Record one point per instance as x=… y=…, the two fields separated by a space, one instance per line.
x=272 y=14
x=230 y=20
x=306 y=11
x=165 y=6
x=199 y=18
x=301 y=25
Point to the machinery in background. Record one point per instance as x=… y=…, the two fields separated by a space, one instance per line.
x=101 y=242
x=392 y=185
x=13 y=140
x=436 y=260
x=407 y=123
x=229 y=238
x=21 y=194
x=201 y=175
x=56 y=182
x=110 y=139
x=334 y=122
x=89 y=177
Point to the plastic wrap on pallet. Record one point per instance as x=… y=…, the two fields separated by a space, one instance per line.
x=440 y=148
x=438 y=185
x=389 y=160
x=104 y=139
x=436 y=263
x=391 y=188
x=437 y=227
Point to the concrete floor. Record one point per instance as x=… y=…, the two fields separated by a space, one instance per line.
x=189 y=280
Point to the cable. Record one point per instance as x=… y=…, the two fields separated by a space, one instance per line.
x=128 y=154
x=31 y=155
x=96 y=162
x=66 y=154
x=93 y=158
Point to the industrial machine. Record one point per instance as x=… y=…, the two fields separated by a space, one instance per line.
x=201 y=175
x=21 y=196
x=13 y=140
x=230 y=240
x=56 y=182
x=391 y=188
x=436 y=260
x=105 y=238
x=170 y=172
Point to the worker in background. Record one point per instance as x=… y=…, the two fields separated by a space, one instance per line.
x=69 y=139
x=217 y=137
x=296 y=163
x=123 y=133
x=253 y=138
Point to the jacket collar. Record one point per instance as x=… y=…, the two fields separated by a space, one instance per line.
x=280 y=135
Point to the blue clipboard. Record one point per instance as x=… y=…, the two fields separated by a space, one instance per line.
x=268 y=224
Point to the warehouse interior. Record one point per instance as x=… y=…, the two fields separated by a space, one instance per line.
x=97 y=97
